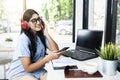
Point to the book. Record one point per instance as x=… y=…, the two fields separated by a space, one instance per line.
x=61 y=63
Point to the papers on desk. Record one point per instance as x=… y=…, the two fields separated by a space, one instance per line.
x=61 y=63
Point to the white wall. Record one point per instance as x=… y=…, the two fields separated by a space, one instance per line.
x=78 y=15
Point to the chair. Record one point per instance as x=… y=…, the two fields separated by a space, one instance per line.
x=4 y=61
x=5 y=58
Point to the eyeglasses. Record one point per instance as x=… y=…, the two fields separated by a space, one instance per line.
x=35 y=20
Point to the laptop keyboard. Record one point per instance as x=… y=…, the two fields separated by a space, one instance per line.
x=84 y=55
x=79 y=55
x=70 y=53
x=83 y=51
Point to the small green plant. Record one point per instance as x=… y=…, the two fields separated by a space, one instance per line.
x=109 y=52
x=9 y=39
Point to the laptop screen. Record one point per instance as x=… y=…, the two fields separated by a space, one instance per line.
x=89 y=40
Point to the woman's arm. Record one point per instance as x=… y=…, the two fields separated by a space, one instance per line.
x=30 y=67
x=52 y=46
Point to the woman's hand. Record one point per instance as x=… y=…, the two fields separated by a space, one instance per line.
x=44 y=27
x=53 y=55
x=45 y=31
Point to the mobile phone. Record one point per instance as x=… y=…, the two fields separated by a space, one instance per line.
x=63 y=49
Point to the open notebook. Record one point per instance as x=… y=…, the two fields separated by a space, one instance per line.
x=61 y=63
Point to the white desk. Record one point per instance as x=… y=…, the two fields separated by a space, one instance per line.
x=59 y=74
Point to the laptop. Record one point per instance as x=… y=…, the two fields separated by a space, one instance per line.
x=86 y=44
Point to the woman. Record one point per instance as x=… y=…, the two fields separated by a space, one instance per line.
x=29 y=58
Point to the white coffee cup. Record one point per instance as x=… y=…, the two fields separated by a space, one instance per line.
x=90 y=67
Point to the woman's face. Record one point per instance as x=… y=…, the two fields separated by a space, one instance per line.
x=35 y=23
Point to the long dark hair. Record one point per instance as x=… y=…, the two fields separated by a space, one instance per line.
x=32 y=47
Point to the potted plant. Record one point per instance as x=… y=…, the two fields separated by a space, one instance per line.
x=109 y=58
x=9 y=41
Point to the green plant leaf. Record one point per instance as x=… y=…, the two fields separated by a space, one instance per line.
x=109 y=52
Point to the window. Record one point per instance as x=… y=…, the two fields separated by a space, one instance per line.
x=10 y=21
x=118 y=25
x=57 y=14
x=97 y=14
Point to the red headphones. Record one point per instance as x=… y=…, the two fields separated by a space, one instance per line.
x=24 y=24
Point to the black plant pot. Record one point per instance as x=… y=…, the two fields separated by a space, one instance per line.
x=118 y=66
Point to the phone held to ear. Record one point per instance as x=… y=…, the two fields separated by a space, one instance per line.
x=63 y=49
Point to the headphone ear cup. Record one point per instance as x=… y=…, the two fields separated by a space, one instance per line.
x=24 y=25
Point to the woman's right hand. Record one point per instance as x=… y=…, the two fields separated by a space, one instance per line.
x=53 y=55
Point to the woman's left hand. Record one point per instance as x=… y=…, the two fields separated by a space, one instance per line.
x=45 y=31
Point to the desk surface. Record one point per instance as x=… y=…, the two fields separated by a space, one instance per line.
x=59 y=74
